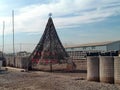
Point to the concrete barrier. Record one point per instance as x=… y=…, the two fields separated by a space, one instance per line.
x=93 y=68
x=117 y=70
x=106 y=69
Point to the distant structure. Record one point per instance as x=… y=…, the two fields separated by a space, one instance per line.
x=49 y=50
x=23 y=54
x=2 y=59
x=81 y=51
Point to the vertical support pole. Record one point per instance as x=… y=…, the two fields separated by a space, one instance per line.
x=50 y=14
x=3 y=39
x=50 y=53
x=13 y=36
x=3 y=59
x=20 y=47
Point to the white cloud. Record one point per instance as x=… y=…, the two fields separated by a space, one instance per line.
x=33 y=18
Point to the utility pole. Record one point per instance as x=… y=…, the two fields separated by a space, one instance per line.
x=3 y=38
x=13 y=36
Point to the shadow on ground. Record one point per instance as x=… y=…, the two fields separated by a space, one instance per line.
x=63 y=71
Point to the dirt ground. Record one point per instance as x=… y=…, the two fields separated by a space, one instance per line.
x=59 y=79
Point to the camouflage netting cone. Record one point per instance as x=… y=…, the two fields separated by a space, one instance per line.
x=49 y=49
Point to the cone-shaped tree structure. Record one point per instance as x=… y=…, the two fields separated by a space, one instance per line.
x=49 y=49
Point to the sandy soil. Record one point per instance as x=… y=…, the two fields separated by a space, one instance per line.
x=57 y=80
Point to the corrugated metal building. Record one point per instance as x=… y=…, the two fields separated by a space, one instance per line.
x=79 y=51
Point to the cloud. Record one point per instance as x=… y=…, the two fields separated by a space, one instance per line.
x=66 y=14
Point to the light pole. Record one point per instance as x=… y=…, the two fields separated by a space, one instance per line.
x=13 y=36
x=3 y=37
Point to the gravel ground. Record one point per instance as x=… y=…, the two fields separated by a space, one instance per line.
x=15 y=80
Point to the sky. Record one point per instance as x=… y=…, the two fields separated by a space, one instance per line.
x=76 y=21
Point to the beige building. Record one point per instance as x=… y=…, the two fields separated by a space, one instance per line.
x=79 y=51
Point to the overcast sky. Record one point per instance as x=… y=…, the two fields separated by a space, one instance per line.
x=76 y=21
